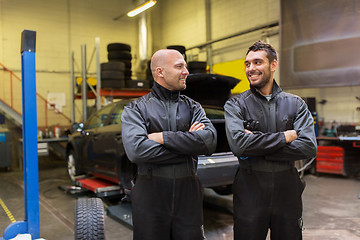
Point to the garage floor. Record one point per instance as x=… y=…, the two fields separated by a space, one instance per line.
x=331 y=207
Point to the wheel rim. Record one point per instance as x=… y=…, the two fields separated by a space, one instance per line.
x=71 y=167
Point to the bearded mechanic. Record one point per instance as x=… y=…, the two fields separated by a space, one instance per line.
x=163 y=132
x=268 y=130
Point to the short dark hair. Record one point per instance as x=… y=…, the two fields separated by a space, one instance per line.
x=262 y=46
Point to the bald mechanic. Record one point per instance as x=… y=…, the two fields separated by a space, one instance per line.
x=163 y=132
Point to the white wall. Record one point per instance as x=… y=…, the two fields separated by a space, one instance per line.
x=63 y=26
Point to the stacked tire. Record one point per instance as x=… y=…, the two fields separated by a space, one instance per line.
x=117 y=71
x=112 y=75
x=193 y=66
x=180 y=48
x=197 y=67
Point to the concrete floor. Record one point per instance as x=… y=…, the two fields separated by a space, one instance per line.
x=331 y=207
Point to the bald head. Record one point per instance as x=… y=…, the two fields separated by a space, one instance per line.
x=168 y=68
x=162 y=57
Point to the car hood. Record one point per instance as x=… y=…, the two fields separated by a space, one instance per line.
x=210 y=89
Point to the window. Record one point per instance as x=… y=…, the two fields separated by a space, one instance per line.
x=116 y=113
x=99 y=118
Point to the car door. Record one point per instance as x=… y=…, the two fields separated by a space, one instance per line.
x=124 y=168
x=92 y=133
x=107 y=144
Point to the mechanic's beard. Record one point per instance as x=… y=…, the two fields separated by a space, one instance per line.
x=261 y=84
x=182 y=86
x=264 y=81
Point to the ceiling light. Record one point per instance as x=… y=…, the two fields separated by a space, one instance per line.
x=141 y=8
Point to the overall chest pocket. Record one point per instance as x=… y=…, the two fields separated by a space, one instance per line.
x=183 y=120
x=287 y=123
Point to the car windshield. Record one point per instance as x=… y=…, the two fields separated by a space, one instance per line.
x=99 y=118
x=110 y=114
x=117 y=111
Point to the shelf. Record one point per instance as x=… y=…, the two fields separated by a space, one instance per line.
x=118 y=93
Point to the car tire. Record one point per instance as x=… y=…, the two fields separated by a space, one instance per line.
x=223 y=190
x=112 y=83
x=180 y=48
x=113 y=66
x=72 y=166
x=89 y=219
x=113 y=55
x=115 y=75
x=118 y=47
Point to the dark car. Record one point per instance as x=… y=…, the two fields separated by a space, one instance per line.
x=97 y=150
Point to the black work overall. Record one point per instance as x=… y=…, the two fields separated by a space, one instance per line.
x=260 y=201
x=167 y=204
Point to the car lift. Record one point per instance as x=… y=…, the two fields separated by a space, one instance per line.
x=29 y=131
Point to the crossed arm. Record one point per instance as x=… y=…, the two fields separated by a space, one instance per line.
x=290 y=135
x=158 y=136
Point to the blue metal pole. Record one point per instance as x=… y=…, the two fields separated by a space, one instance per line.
x=31 y=171
x=29 y=113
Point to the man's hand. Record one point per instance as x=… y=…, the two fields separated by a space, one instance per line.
x=157 y=137
x=196 y=127
x=290 y=135
x=247 y=131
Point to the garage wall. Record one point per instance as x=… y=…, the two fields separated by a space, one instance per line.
x=233 y=16
x=184 y=23
x=62 y=27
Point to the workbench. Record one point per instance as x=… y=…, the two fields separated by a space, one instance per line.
x=44 y=144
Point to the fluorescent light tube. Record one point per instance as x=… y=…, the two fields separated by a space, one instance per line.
x=141 y=8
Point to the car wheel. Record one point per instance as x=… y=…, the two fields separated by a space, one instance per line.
x=223 y=190
x=89 y=219
x=72 y=166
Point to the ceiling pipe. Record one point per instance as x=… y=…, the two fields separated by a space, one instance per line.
x=145 y=41
x=208 y=34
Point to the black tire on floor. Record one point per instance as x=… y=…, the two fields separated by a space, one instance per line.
x=118 y=47
x=112 y=66
x=89 y=219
